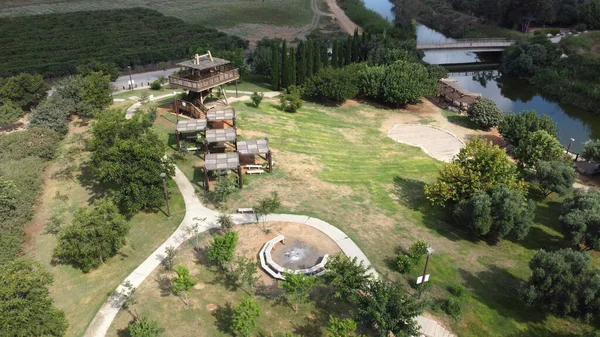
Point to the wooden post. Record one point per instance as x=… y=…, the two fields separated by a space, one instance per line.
x=240 y=179
x=270 y=159
x=206 y=179
x=224 y=94
x=236 y=89
x=178 y=140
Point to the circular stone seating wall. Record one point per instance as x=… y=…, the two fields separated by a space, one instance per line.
x=276 y=271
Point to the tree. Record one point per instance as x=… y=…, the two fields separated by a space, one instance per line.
x=516 y=126
x=334 y=84
x=243 y=270
x=554 y=176
x=266 y=206
x=155 y=85
x=109 y=69
x=347 y=276
x=539 y=146
x=591 y=150
x=53 y=113
x=525 y=57
x=25 y=302
x=129 y=157
x=334 y=54
x=580 y=220
x=226 y=222
x=285 y=66
x=479 y=166
x=563 y=282
x=310 y=58
x=222 y=247
x=275 y=74
x=485 y=113
x=590 y=14
x=496 y=213
x=297 y=288
x=95 y=235
x=291 y=102
x=244 y=317
x=301 y=69
x=24 y=90
x=224 y=187
x=97 y=92
x=292 y=65
x=341 y=327
x=8 y=195
x=169 y=261
x=183 y=282
x=145 y=327
x=257 y=98
x=10 y=112
x=387 y=307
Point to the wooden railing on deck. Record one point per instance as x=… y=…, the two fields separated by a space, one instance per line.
x=205 y=83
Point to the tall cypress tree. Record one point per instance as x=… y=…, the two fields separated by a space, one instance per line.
x=310 y=59
x=355 y=40
x=317 y=50
x=348 y=50
x=293 y=66
x=285 y=79
x=363 y=47
x=301 y=63
x=334 y=54
x=341 y=53
x=275 y=74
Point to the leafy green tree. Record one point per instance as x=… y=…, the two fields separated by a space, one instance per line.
x=334 y=54
x=386 y=306
x=479 y=166
x=334 y=84
x=285 y=66
x=554 y=176
x=97 y=91
x=291 y=102
x=128 y=157
x=310 y=58
x=485 y=113
x=226 y=222
x=244 y=317
x=400 y=83
x=155 y=85
x=224 y=187
x=262 y=58
x=10 y=112
x=24 y=90
x=590 y=14
x=266 y=206
x=341 y=327
x=581 y=219
x=257 y=98
x=292 y=67
x=539 y=146
x=297 y=288
x=95 y=235
x=183 y=281
x=516 y=126
x=301 y=69
x=418 y=249
x=496 y=213
x=563 y=282
x=276 y=73
x=109 y=69
x=25 y=302
x=53 y=113
x=591 y=150
x=243 y=271
x=525 y=57
x=145 y=327
x=8 y=195
x=222 y=247
x=347 y=276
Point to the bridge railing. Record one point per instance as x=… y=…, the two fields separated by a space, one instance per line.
x=464 y=43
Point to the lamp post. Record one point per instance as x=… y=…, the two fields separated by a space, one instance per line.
x=130 y=80
x=429 y=252
x=571 y=142
x=163 y=176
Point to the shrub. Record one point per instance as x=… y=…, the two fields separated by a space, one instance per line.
x=291 y=101
x=226 y=222
x=404 y=263
x=155 y=85
x=224 y=187
x=418 y=249
x=485 y=113
x=222 y=247
x=257 y=98
x=183 y=281
x=457 y=290
x=452 y=307
x=337 y=84
x=168 y=261
x=10 y=112
x=244 y=317
x=34 y=142
x=144 y=327
x=540 y=146
x=554 y=176
x=516 y=126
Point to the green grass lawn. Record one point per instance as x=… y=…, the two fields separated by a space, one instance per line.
x=212 y=13
x=337 y=164
x=66 y=188
x=250 y=83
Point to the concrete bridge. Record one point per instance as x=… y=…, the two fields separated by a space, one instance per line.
x=468 y=45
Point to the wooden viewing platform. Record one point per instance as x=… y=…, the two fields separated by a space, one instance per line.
x=203 y=73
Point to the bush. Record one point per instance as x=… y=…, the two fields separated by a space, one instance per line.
x=10 y=112
x=155 y=85
x=291 y=101
x=337 y=84
x=224 y=187
x=516 y=126
x=404 y=263
x=485 y=113
x=451 y=307
x=457 y=290
x=257 y=98
x=34 y=142
x=418 y=249
x=145 y=327
x=222 y=247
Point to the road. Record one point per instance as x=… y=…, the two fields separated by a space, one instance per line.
x=141 y=79
x=342 y=19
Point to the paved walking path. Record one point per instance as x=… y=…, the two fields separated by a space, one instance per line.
x=438 y=143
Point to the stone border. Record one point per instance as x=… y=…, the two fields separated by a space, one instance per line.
x=276 y=271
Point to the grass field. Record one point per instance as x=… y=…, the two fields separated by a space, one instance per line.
x=212 y=13
x=337 y=164
x=67 y=187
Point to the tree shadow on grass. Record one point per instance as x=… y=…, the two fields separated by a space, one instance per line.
x=87 y=180
x=224 y=315
x=498 y=289
x=411 y=193
x=461 y=120
x=164 y=285
x=541 y=331
x=540 y=238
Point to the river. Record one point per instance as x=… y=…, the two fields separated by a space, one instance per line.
x=511 y=94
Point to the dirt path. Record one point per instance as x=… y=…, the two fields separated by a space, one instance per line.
x=342 y=19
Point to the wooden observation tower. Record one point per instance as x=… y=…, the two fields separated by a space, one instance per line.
x=199 y=76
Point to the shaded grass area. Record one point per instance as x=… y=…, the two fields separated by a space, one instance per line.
x=337 y=164
x=250 y=82
x=68 y=185
x=221 y=13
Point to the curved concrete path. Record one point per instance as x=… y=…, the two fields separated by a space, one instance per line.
x=438 y=143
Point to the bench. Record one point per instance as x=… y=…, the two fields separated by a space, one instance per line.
x=253 y=166
x=192 y=149
x=245 y=210
x=255 y=171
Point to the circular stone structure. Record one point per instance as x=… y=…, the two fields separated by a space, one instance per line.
x=438 y=143
x=293 y=257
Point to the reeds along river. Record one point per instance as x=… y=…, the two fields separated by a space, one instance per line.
x=511 y=94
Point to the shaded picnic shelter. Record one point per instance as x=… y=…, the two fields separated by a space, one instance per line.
x=228 y=161
x=257 y=147
x=189 y=126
